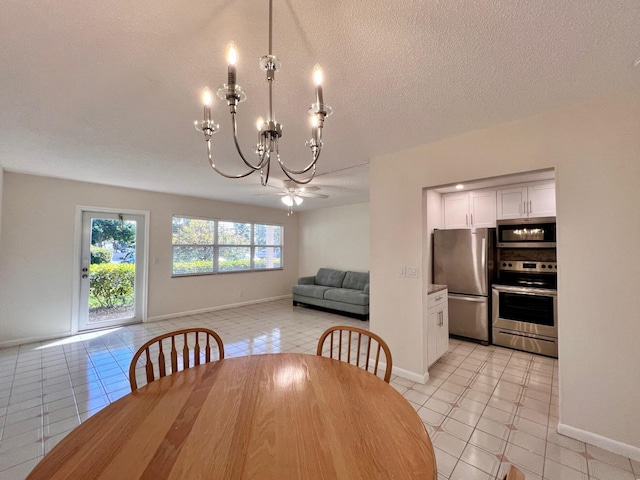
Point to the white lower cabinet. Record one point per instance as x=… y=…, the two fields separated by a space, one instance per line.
x=437 y=326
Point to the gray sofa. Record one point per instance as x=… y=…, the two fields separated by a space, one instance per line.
x=336 y=290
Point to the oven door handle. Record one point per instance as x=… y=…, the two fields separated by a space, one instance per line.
x=546 y=292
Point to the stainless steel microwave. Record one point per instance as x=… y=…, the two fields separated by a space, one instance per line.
x=526 y=233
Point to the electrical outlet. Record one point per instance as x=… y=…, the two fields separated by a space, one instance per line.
x=412 y=272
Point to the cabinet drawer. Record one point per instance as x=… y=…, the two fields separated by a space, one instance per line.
x=437 y=299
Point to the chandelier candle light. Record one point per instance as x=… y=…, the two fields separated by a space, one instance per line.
x=269 y=131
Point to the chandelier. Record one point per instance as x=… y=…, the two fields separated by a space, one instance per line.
x=269 y=130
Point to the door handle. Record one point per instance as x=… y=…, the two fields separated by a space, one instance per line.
x=472 y=219
x=466 y=219
x=477 y=299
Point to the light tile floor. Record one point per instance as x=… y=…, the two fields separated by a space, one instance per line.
x=484 y=407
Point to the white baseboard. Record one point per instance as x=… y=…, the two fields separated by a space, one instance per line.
x=401 y=372
x=599 y=441
x=214 y=309
x=40 y=338
x=409 y=375
x=43 y=338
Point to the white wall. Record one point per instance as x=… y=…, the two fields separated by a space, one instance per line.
x=595 y=150
x=37 y=254
x=335 y=238
x=432 y=208
x=1 y=183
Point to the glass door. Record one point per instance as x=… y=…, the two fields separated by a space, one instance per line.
x=111 y=269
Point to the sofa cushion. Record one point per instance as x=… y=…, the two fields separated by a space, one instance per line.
x=315 y=291
x=329 y=277
x=345 y=295
x=355 y=280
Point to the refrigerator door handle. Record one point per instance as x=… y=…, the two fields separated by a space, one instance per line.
x=467 y=298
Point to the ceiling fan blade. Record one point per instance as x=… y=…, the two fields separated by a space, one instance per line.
x=312 y=195
x=311 y=188
x=272 y=194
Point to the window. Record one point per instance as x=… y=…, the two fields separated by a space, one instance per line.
x=203 y=246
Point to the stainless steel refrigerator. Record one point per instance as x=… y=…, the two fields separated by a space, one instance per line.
x=464 y=260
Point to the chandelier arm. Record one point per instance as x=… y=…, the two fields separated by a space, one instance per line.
x=235 y=140
x=316 y=155
x=242 y=175
x=289 y=173
x=298 y=181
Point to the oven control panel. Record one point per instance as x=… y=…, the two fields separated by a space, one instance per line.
x=524 y=266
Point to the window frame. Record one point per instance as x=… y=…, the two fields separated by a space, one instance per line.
x=217 y=245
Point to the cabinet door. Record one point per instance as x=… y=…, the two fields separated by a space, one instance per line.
x=443 y=331
x=511 y=203
x=542 y=200
x=483 y=208
x=455 y=210
x=433 y=317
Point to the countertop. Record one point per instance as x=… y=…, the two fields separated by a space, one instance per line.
x=433 y=288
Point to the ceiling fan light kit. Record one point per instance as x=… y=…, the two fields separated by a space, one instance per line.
x=269 y=130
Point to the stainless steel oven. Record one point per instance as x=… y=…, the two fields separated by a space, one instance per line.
x=525 y=307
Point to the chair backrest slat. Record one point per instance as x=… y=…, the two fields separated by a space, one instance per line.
x=174 y=355
x=196 y=352
x=375 y=372
x=162 y=370
x=185 y=353
x=349 y=339
x=149 y=366
x=207 y=354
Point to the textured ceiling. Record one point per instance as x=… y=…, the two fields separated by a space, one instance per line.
x=107 y=91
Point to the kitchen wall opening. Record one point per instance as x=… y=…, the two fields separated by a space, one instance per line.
x=492 y=243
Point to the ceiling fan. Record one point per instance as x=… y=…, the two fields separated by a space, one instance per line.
x=293 y=194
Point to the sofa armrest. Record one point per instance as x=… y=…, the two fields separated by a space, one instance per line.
x=366 y=288
x=307 y=281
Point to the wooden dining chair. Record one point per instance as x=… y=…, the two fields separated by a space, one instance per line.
x=356 y=346
x=176 y=345
x=514 y=473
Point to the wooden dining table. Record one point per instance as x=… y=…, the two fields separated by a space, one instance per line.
x=272 y=416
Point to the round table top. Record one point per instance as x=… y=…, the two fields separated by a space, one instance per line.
x=261 y=416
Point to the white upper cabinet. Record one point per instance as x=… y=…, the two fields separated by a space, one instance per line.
x=542 y=200
x=483 y=208
x=534 y=200
x=455 y=210
x=469 y=209
x=512 y=203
